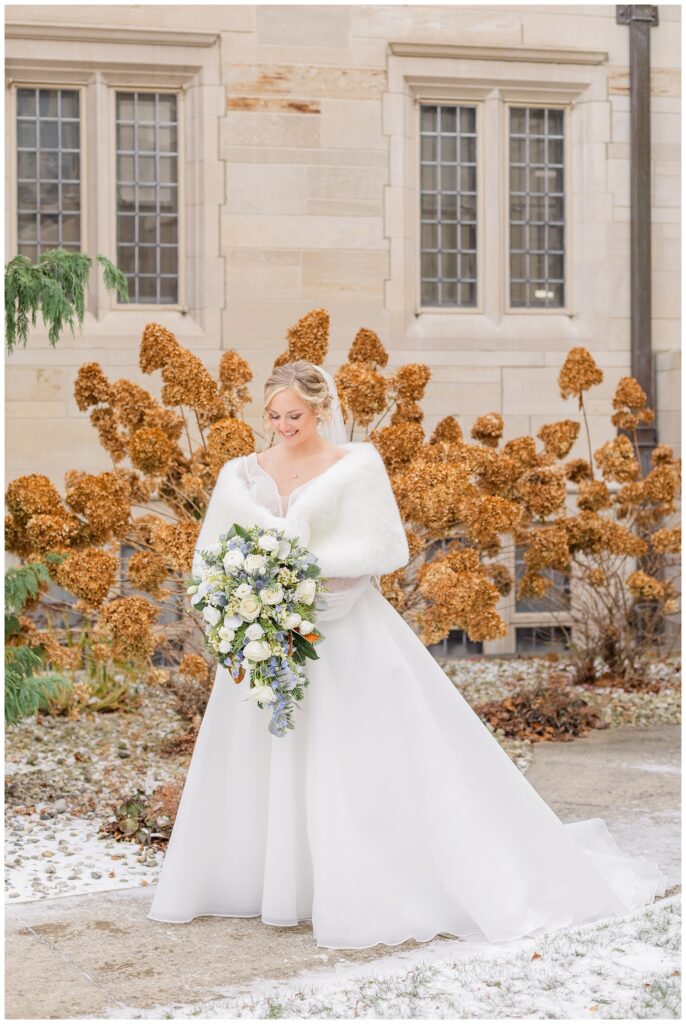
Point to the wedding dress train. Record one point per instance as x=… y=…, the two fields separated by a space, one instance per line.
x=390 y=812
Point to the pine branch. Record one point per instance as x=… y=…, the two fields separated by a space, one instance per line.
x=55 y=287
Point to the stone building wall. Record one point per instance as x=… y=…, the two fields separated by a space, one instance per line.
x=300 y=190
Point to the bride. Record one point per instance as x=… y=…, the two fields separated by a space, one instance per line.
x=390 y=811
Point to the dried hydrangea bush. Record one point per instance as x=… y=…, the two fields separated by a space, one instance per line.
x=463 y=502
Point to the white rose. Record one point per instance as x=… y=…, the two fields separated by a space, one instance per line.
x=193 y=589
x=272 y=595
x=263 y=693
x=254 y=632
x=196 y=599
x=257 y=650
x=243 y=589
x=213 y=549
x=232 y=622
x=224 y=646
x=305 y=591
x=233 y=559
x=250 y=606
x=225 y=633
x=255 y=564
x=306 y=626
x=284 y=548
x=291 y=620
x=212 y=615
x=268 y=542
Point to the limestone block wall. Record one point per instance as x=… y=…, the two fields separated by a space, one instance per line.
x=300 y=189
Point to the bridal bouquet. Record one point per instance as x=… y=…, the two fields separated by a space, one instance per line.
x=256 y=591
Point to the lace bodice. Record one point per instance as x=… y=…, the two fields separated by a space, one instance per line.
x=340 y=592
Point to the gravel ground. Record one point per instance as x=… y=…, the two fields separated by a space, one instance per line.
x=63 y=777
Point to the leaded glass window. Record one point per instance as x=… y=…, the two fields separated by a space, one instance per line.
x=48 y=171
x=148 y=195
x=448 y=196
x=537 y=207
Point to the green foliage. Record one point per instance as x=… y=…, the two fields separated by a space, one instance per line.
x=21 y=585
x=26 y=687
x=55 y=287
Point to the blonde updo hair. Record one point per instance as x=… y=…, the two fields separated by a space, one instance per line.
x=306 y=380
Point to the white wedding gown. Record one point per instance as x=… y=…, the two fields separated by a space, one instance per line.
x=389 y=812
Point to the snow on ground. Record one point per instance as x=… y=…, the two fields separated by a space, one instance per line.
x=63 y=856
x=619 y=967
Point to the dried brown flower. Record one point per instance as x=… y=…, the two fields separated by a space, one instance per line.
x=558 y=438
x=523 y=451
x=596 y=577
x=409 y=381
x=127 y=621
x=33 y=495
x=533 y=585
x=629 y=394
x=309 y=337
x=500 y=576
x=91 y=386
x=488 y=429
x=147 y=571
x=618 y=540
x=593 y=495
x=392 y=589
x=150 y=450
x=585 y=532
x=667 y=540
x=447 y=429
x=368 y=348
x=398 y=444
x=628 y=498
x=548 y=548
x=105 y=422
x=407 y=412
x=174 y=542
x=138 y=488
x=103 y=500
x=661 y=483
x=414 y=543
x=88 y=574
x=234 y=374
x=644 y=587
x=228 y=439
x=579 y=373
x=157 y=347
x=578 y=469
x=487 y=516
x=16 y=539
x=362 y=391
x=188 y=382
x=662 y=455
x=543 y=491
x=193 y=666
x=616 y=460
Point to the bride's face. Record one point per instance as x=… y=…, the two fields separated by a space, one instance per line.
x=291 y=419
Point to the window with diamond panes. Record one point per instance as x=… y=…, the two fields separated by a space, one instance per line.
x=537 y=207
x=448 y=205
x=148 y=195
x=48 y=171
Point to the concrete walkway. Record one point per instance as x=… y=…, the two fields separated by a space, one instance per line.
x=79 y=956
